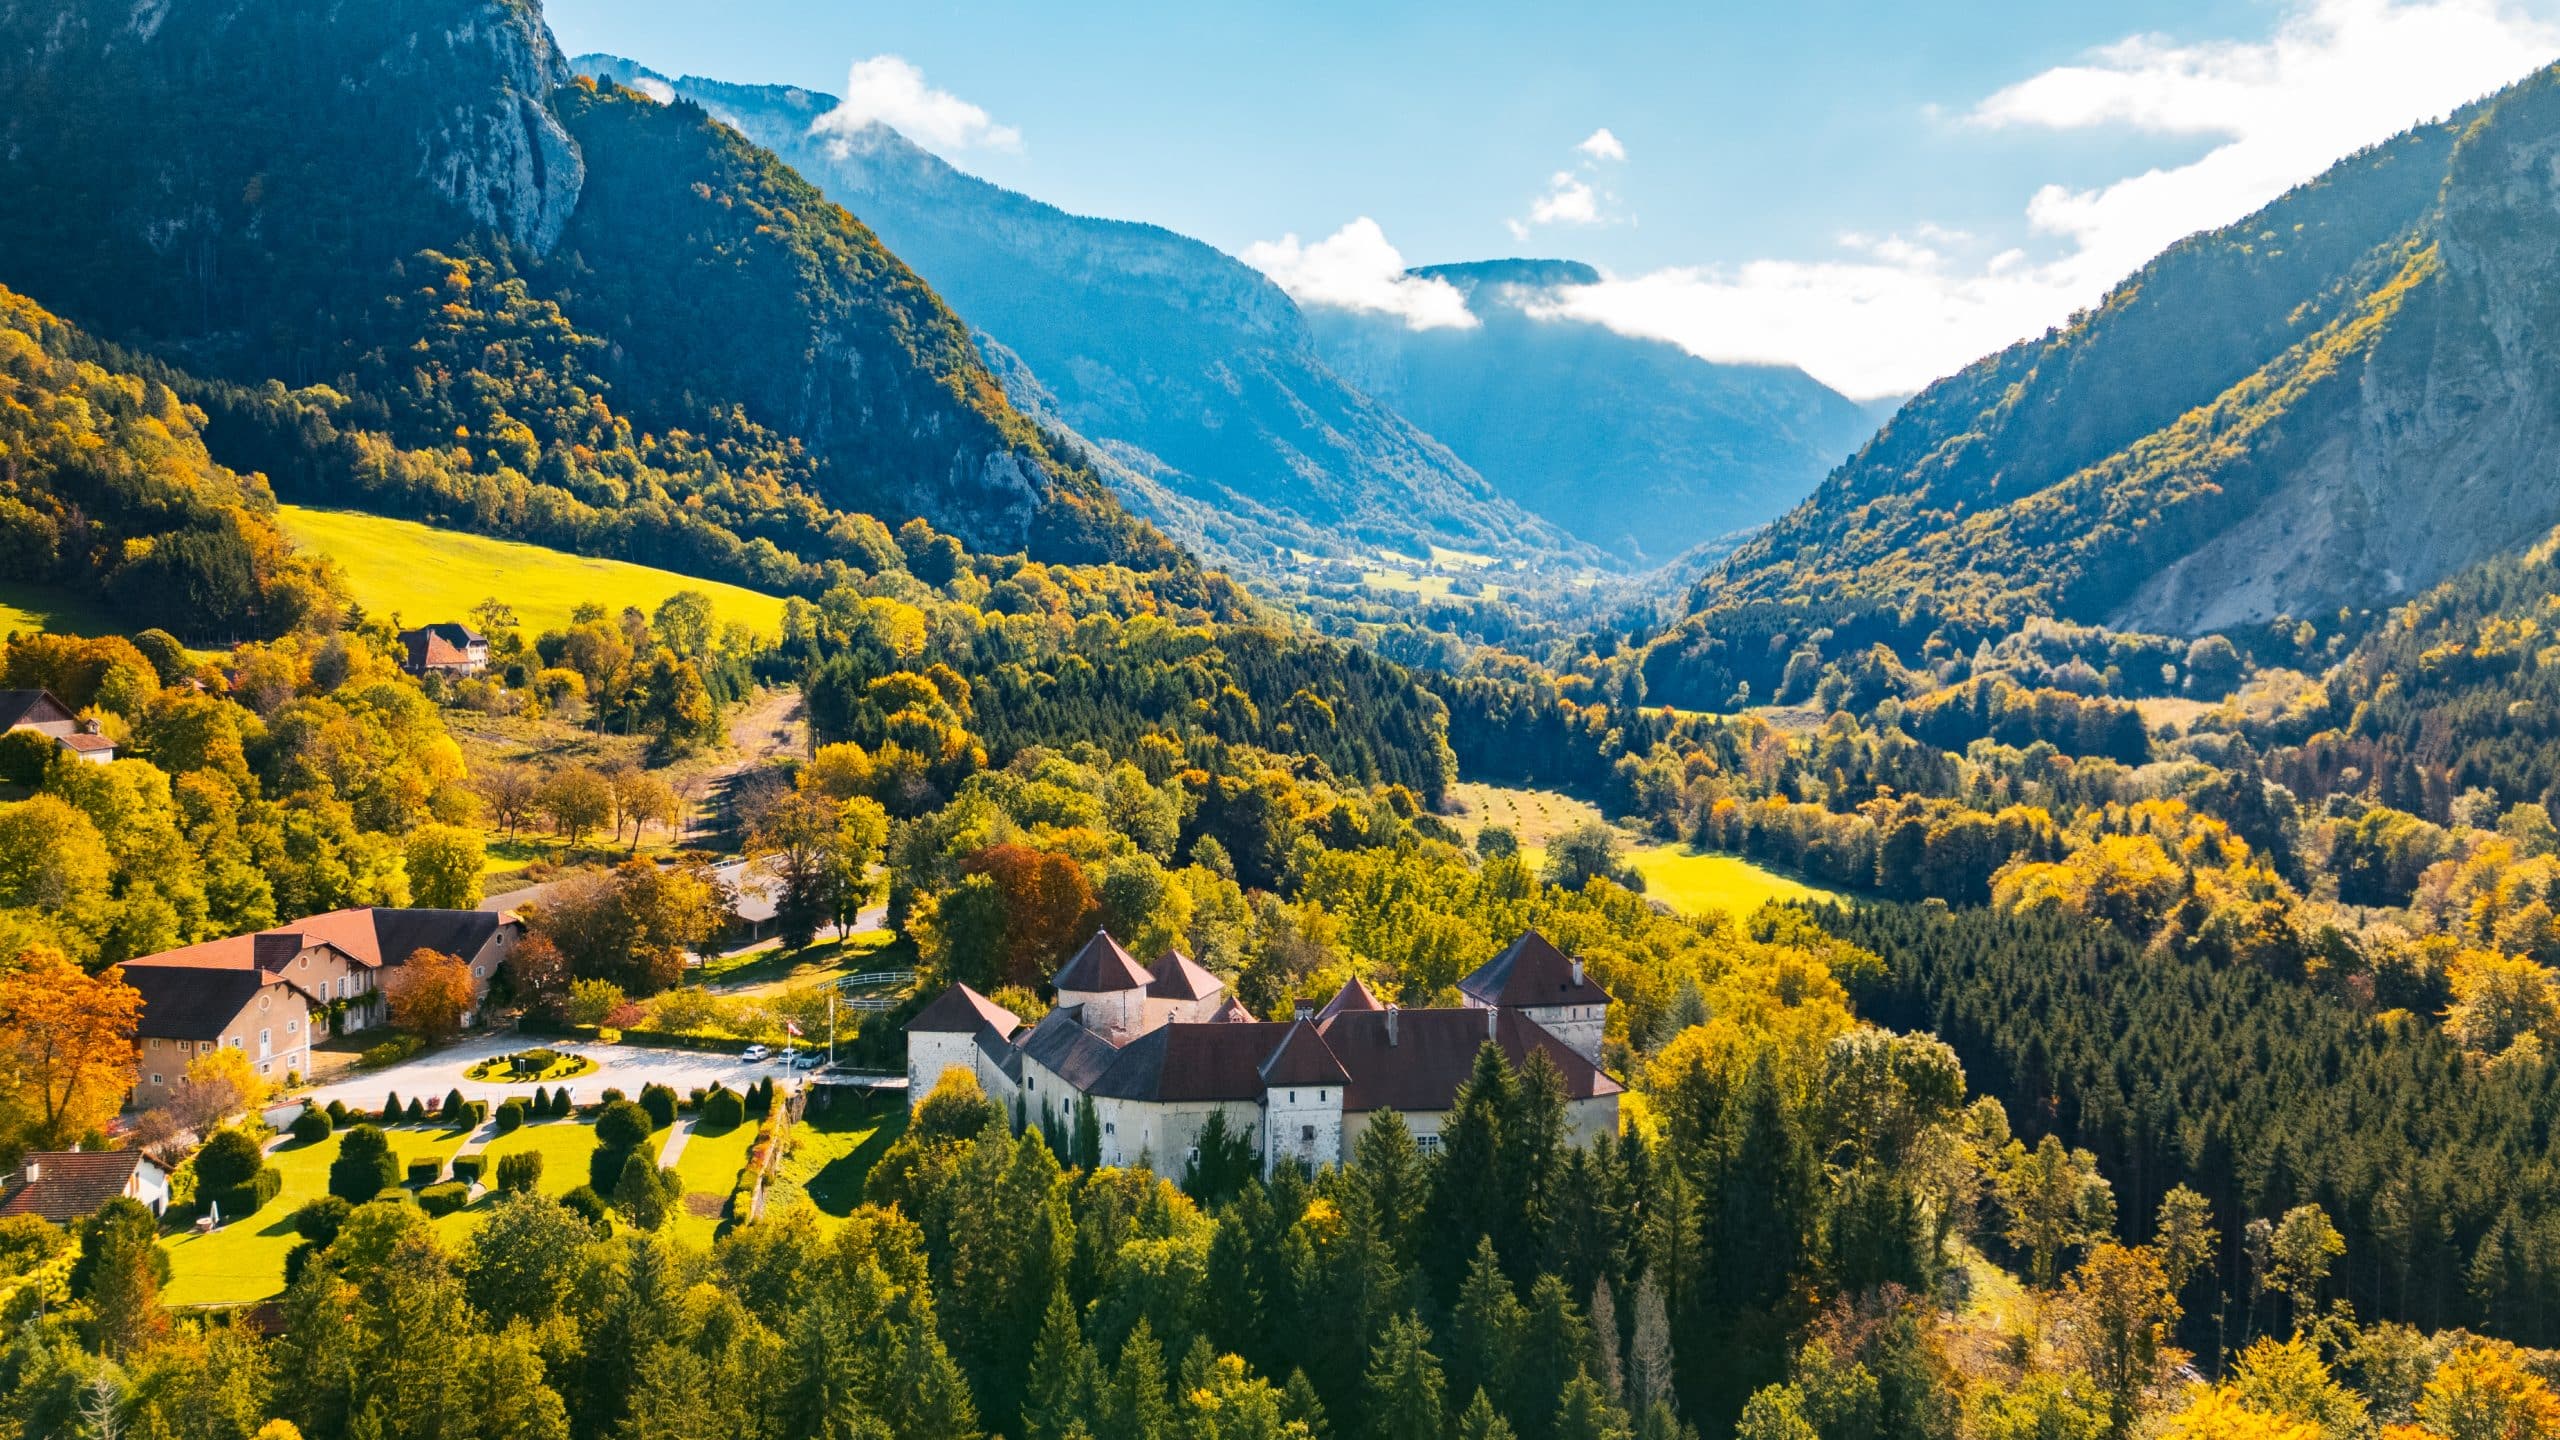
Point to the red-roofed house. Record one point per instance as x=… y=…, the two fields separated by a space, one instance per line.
x=67 y=1185
x=38 y=711
x=272 y=994
x=444 y=649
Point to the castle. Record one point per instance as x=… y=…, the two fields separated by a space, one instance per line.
x=1159 y=1049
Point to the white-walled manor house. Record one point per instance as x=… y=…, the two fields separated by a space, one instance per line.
x=1160 y=1049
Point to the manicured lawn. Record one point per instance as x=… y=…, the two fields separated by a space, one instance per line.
x=831 y=1153
x=244 y=1261
x=774 y=971
x=709 y=1168
x=426 y=574
x=564 y=1146
x=562 y=1067
x=1696 y=881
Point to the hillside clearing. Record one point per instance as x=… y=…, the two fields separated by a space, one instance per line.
x=28 y=608
x=424 y=574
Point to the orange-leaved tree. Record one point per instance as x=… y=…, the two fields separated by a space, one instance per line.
x=66 y=1045
x=430 y=994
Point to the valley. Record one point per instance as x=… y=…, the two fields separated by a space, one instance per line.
x=1379 y=857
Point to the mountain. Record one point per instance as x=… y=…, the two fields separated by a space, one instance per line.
x=1195 y=377
x=1634 y=445
x=2330 y=405
x=440 y=276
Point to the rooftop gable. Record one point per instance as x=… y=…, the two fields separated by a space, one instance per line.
x=1303 y=1058
x=1416 y=1060
x=1355 y=995
x=1177 y=976
x=1532 y=973
x=31 y=707
x=1102 y=966
x=963 y=1011
x=69 y=1184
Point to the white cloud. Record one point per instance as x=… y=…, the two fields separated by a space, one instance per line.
x=1355 y=268
x=889 y=91
x=1603 y=145
x=655 y=88
x=1908 y=307
x=1577 y=196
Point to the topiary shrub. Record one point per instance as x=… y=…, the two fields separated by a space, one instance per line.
x=338 y=1114
x=313 y=1125
x=365 y=1166
x=444 y=1199
x=611 y=1095
x=587 y=1205
x=563 y=1103
x=455 y=1110
x=541 y=1100
x=475 y=1113
x=760 y=1097
x=623 y=1126
x=510 y=1116
x=660 y=1102
x=425 y=1172
x=644 y=1194
x=229 y=1158
x=236 y=1202
x=417 y=1111
x=722 y=1109
x=319 y=1221
x=520 y=1172
x=392 y=1111
x=469 y=1168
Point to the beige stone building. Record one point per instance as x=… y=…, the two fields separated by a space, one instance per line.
x=1159 y=1049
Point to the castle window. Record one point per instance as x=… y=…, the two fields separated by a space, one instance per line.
x=1293 y=1097
x=1306 y=1134
x=1110 y=1127
x=1428 y=1143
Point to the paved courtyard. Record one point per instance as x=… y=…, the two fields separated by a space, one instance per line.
x=620 y=1067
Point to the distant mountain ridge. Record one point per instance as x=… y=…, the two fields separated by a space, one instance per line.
x=1194 y=377
x=1634 y=445
x=2334 y=403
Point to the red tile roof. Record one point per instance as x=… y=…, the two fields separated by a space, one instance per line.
x=81 y=742
x=1102 y=966
x=1532 y=973
x=70 y=1185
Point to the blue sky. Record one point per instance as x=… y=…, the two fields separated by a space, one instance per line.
x=1876 y=191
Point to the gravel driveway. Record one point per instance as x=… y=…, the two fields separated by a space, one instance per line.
x=622 y=1067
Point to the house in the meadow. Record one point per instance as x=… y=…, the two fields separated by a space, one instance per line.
x=446 y=648
x=40 y=712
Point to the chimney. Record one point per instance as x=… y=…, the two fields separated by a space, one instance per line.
x=1391 y=1024
x=35 y=1170
x=1492 y=1022
x=1306 y=1009
x=1577 y=972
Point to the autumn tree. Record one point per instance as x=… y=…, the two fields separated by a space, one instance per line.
x=445 y=863
x=67 y=1053
x=429 y=994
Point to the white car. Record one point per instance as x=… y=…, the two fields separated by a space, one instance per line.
x=755 y=1053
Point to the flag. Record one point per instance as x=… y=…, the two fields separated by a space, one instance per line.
x=790 y=1029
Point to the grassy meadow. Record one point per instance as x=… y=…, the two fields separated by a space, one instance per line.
x=425 y=574
x=1690 y=881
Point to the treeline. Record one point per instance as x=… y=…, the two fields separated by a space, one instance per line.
x=2258 y=1092
x=106 y=490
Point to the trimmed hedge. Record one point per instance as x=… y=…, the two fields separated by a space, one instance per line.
x=338 y=1113
x=313 y=1125
x=425 y=1172
x=660 y=1102
x=521 y=1171
x=511 y=1116
x=444 y=1199
x=365 y=1166
x=587 y=1205
x=392 y=1052
x=722 y=1108
x=236 y=1202
x=469 y=1168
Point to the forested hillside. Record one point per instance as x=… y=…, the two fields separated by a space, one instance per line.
x=500 y=300
x=106 y=490
x=2334 y=403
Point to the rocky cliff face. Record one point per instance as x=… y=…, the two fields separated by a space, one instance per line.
x=2333 y=403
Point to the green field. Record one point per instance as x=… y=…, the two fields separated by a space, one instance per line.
x=831 y=1152
x=245 y=1261
x=564 y=1146
x=423 y=574
x=27 y=608
x=709 y=1168
x=1696 y=881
